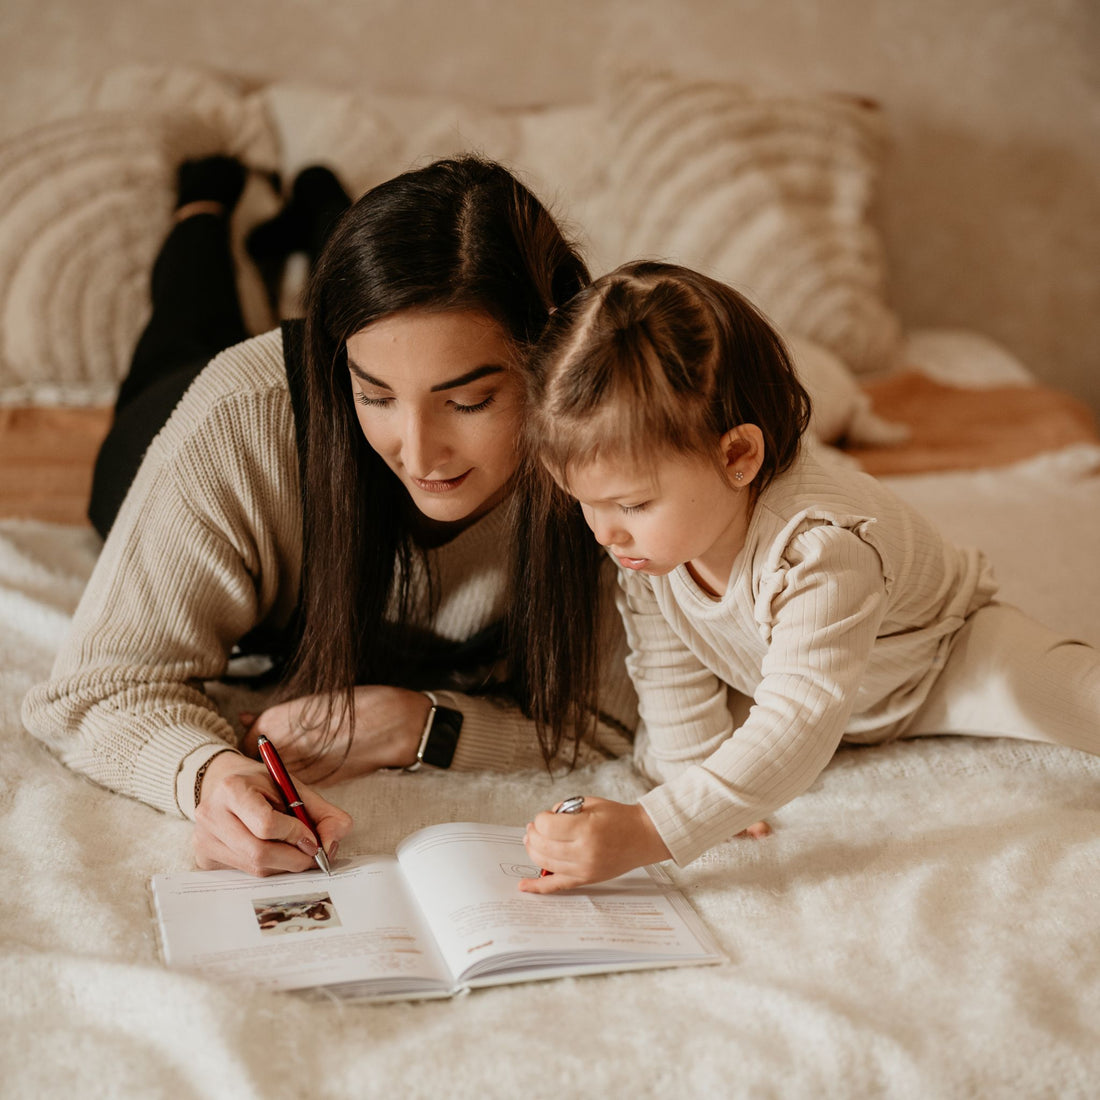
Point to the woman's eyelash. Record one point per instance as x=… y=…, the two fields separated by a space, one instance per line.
x=474 y=408
x=373 y=402
x=381 y=402
x=626 y=509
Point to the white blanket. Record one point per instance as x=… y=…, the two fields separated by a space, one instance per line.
x=925 y=922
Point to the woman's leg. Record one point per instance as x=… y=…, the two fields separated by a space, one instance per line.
x=196 y=314
x=1008 y=676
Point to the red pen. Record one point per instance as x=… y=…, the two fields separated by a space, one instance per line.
x=293 y=802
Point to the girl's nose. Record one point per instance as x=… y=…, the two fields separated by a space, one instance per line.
x=608 y=533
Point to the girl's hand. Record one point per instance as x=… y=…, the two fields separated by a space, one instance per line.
x=240 y=823
x=388 y=725
x=603 y=840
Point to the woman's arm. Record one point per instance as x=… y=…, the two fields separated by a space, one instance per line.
x=496 y=734
x=206 y=546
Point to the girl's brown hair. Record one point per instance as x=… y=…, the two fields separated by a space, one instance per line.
x=648 y=358
x=655 y=356
x=458 y=234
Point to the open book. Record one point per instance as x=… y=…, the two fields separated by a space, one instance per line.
x=442 y=916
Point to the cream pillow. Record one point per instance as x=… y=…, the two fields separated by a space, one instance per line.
x=85 y=202
x=768 y=193
x=368 y=138
x=841 y=410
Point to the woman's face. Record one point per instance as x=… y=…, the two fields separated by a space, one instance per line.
x=438 y=398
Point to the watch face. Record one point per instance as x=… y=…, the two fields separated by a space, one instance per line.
x=443 y=739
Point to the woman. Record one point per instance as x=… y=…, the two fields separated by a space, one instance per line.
x=330 y=498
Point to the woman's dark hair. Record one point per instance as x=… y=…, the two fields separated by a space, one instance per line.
x=648 y=358
x=458 y=234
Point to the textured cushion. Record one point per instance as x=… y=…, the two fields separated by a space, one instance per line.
x=85 y=202
x=367 y=140
x=768 y=193
x=842 y=411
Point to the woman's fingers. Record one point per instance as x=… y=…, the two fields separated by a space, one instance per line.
x=228 y=843
x=333 y=824
x=239 y=821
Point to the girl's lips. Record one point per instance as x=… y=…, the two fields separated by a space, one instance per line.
x=633 y=563
x=440 y=485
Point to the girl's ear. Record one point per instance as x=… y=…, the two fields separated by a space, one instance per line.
x=742 y=454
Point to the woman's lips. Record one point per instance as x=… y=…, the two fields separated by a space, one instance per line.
x=633 y=563
x=440 y=485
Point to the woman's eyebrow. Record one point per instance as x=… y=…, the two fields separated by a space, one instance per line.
x=469 y=376
x=454 y=383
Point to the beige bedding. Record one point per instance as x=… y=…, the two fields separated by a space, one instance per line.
x=921 y=924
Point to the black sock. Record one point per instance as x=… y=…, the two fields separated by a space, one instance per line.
x=304 y=223
x=317 y=199
x=212 y=179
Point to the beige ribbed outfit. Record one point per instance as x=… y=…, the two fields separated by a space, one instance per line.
x=844 y=608
x=208 y=545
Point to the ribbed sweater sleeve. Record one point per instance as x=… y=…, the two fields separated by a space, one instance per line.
x=206 y=545
x=837 y=617
x=824 y=625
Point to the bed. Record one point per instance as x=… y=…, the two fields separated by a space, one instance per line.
x=922 y=923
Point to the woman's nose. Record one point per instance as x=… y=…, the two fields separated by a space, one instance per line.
x=421 y=445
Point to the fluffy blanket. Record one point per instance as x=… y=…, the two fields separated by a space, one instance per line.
x=922 y=923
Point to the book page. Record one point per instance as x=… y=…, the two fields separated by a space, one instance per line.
x=358 y=929
x=466 y=879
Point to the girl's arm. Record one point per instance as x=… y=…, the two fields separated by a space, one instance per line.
x=823 y=624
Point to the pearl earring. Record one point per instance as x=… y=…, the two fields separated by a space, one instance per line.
x=739 y=476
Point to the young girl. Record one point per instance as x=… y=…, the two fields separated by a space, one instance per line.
x=667 y=407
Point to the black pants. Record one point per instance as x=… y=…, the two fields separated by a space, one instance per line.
x=196 y=314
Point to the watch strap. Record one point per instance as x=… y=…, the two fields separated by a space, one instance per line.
x=439 y=738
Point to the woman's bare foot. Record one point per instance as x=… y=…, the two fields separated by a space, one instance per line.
x=758 y=831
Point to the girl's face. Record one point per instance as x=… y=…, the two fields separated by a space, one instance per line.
x=437 y=396
x=680 y=510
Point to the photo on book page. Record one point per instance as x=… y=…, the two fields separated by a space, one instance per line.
x=301 y=913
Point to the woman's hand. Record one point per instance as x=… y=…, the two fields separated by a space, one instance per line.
x=388 y=725
x=240 y=823
x=603 y=840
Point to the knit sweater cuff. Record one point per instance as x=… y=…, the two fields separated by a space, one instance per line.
x=494 y=738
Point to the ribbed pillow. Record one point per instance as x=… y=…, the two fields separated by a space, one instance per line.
x=769 y=193
x=85 y=203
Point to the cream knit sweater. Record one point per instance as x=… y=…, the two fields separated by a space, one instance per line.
x=208 y=545
x=835 y=623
